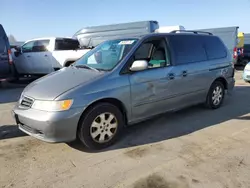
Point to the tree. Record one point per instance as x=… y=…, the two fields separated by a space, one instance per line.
x=12 y=39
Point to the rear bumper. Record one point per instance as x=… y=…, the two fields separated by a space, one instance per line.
x=230 y=85
x=48 y=126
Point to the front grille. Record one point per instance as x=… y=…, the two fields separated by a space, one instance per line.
x=29 y=129
x=26 y=102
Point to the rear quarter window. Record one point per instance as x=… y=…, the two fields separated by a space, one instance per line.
x=187 y=48
x=214 y=47
x=66 y=44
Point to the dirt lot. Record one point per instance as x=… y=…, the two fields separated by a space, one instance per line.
x=195 y=147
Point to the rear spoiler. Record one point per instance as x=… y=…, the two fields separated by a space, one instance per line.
x=189 y=31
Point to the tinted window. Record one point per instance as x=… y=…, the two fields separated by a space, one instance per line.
x=40 y=46
x=2 y=45
x=214 y=47
x=28 y=47
x=66 y=44
x=188 y=48
x=247 y=48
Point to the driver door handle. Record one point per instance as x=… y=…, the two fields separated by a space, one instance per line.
x=184 y=73
x=171 y=76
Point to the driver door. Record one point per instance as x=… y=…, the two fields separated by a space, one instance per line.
x=23 y=61
x=150 y=88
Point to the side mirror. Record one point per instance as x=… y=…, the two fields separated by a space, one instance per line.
x=139 y=65
x=18 y=51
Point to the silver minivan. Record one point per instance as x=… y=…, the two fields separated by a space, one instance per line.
x=124 y=81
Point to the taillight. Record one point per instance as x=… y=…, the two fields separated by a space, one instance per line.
x=235 y=54
x=10 y=57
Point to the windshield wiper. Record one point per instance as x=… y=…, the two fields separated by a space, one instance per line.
x=87 y=67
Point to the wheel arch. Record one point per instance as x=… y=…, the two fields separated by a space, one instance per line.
x=112 y=101
x=222 y=80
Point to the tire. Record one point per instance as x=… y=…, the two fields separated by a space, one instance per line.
x=95 y=127
x=212 y=101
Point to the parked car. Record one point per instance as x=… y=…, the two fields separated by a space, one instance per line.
x=124 y=81
x=246 y=73
x=45 y=55
x=6 y=61
x=245 y=57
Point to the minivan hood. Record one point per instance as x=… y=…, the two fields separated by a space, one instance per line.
x=55 y=84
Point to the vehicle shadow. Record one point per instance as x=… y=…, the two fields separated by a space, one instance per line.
x=10 y=131
x=10 y=92
x=186 y=121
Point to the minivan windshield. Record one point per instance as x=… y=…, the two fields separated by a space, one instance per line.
x=106 y=55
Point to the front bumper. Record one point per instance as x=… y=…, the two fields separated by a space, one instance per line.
x=246 y=75
x=48 y=126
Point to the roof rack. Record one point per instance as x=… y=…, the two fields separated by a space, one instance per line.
x=188 y=31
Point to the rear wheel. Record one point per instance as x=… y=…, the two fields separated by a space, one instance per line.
x=101 y=126
x=215 y=95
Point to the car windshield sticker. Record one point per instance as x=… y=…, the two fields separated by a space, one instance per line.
x=125 y=42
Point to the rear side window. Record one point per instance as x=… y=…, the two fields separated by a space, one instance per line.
x=214 y=47
x=2 y=45
x=40 y=46
x=188 y=48
x=66 y=44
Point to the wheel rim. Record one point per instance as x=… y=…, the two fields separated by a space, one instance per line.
x=104 y=127
x=217 y=95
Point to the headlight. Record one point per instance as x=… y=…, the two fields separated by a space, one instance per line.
x=52 y=105
x=247 y=67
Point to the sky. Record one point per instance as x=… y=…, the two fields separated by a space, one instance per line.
x=27 y=19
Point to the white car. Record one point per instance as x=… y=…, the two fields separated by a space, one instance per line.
x=246 y=73
x=45 y=55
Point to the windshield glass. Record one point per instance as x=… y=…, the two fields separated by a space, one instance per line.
x=106 y=55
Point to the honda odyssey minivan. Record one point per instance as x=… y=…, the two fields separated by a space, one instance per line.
x=124 y=81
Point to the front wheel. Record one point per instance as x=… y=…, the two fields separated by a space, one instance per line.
x=101 y=126
x=215 y=95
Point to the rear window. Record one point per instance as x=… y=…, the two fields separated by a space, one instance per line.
x=2 y=45
x=214 y=47
x=66 y=44
x=188 y=48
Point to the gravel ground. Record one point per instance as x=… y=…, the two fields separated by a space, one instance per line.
x=195 y=147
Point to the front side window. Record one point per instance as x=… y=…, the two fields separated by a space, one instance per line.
x=106 y=55
x=153 y=51
x=28 y=47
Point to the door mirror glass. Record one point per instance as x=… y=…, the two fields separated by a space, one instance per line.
x=139 y=65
